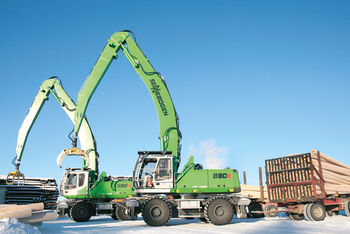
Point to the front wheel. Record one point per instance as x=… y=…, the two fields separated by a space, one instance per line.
x=218 y=211
x=156 y=212
x=80 y=212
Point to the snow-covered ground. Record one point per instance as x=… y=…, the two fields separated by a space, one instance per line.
x=104 y=224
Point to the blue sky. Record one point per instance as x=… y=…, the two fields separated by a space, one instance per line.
x=251 y=80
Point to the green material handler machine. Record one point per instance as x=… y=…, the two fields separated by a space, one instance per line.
x=77 y=183
x=161 y=191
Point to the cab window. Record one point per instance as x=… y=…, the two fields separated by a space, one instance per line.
x=71 y=181
x=81 y=179
x=163 y=171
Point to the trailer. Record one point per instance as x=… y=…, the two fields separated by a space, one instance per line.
x=309 y=186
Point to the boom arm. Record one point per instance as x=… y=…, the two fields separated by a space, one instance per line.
x=169 y=133
x=86 y=137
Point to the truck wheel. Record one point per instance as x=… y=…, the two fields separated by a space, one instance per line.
x=306 y=212
x=122 y=214
x=268 y=211
x=156 y=212
x=316 y=211
x=295 y=217
x=255 y=207
x=114 y=216
x=218 y=211
x=80 y=212
x=330 y=213
x=347 y=208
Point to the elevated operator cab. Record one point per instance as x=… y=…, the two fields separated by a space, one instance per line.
x=75 y=181
x=153 y=172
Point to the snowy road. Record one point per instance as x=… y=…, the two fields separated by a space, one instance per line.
x=104 y=224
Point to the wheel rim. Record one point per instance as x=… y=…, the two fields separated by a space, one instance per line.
x=156 y=212
x=271 y=210
x=318 y=212
x=82 y=212
x=219 y=211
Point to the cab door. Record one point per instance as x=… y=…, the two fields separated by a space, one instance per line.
x=163 y=174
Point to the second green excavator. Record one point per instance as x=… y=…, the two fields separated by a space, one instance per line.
x=161 y=191
x=75 y=181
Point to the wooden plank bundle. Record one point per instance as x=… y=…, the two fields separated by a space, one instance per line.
x=252 y=191
x=336 y=175
x=305 y=177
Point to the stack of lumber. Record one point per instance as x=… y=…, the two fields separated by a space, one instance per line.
x=30 y=213
x=252 y=191
x=34 y=190
x=336 y=174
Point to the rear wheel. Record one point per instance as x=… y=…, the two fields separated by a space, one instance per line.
x=269 y=211
x=347 y=208
x=330 y=213
x=255 y=207
x=295 y=217
x=114 y=216
x=121 y=213
x=218 y=211
x=156 y=212
x=80 y=212
x=315 y=211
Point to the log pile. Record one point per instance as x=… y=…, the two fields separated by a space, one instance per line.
x=34 y=190
x=306 y=177
x=336 y=174
x=30 y=213
x=252 y=191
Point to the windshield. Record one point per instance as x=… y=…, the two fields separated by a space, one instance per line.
x=148 y=166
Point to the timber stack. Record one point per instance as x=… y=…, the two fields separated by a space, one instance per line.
x=32 y=190
x=306 y=177
x=336 y=175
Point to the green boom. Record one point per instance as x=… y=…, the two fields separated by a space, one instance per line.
x=169 y=133
x=52 y=86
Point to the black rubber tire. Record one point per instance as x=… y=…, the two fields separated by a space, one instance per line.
x=330 y=213
x=253 y=206
x=295 y=217
x=347 y=208
x=317 y=211
x=156 y=212
x=306 y=212
x=68 y=213
x=121 y=214
x=80 y=212
x=268 y=209
x=114 y=216
x=218 y=211
x=204 y=220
